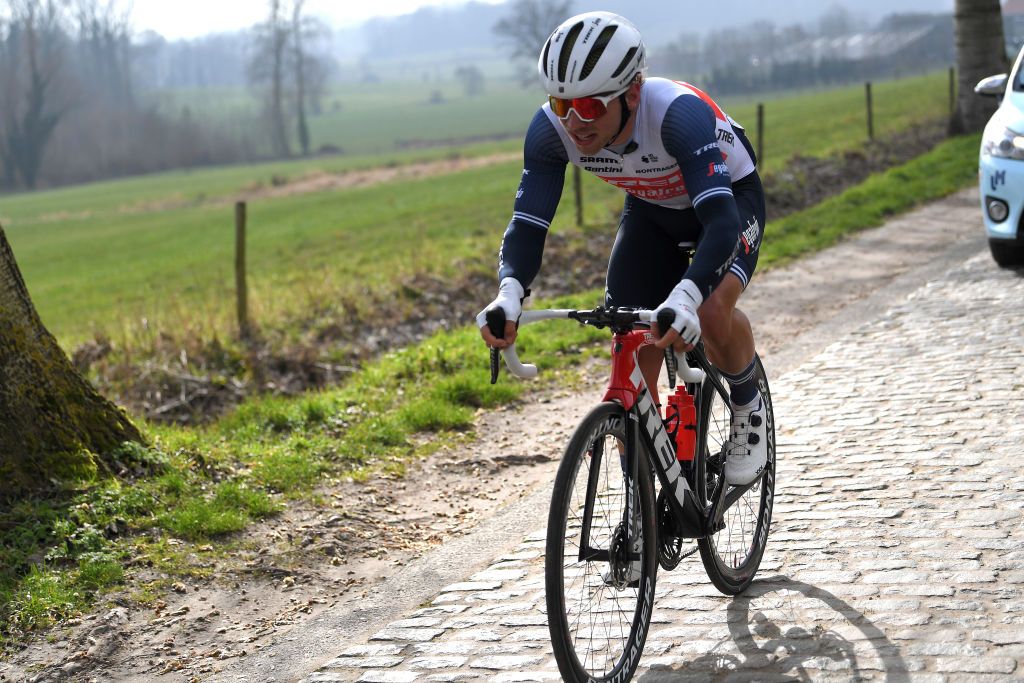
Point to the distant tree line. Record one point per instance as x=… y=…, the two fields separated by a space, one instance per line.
x=70 y=110
x=761 y=57
x=76 y=92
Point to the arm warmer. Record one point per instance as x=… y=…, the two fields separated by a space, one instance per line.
x=689 y=134
x=544 y=161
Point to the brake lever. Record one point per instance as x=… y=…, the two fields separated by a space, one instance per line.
x=495 y=365
x=496 y=324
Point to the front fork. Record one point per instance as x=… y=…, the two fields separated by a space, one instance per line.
x=631 y=478
x=630 y=465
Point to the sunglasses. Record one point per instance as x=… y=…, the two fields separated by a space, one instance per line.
x=587 y=108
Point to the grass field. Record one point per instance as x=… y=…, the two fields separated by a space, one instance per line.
x=376 y=118
x=100 y=258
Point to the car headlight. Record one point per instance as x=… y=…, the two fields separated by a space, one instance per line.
x=1003 y=143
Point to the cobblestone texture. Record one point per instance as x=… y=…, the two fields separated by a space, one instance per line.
x=897 y=546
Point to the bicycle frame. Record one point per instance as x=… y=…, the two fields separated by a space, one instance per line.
x=645 y=427
x=628 y=387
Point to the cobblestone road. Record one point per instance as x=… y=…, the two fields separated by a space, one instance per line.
x=897 y=549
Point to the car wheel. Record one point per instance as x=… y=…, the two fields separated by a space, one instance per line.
x=1005 y=254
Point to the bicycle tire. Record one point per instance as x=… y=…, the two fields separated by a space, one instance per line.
x=600 y=635
x=732 y=554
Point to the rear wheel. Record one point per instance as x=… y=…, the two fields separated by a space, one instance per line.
x=732 y=554
x=599 y=612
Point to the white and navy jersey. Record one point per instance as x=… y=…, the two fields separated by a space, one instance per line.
x=685 y=153
x=671 y=140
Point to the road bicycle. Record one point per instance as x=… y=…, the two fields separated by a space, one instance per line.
x=608 y=531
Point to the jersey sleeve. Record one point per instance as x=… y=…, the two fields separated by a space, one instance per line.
x=689 y=134
x=540 y=189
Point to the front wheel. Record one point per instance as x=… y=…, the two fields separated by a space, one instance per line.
x=599 y=581
x=732 y=553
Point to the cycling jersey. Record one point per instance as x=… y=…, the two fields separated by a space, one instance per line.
x=685 y=154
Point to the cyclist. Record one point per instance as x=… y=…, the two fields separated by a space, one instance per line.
x=689 y=175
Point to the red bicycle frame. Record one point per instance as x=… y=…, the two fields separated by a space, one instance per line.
x=627 y=387
x=626 y=380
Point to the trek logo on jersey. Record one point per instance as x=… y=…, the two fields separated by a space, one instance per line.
x=717 y=169
x=705 y=148
x=750 y=236
x=726 y=137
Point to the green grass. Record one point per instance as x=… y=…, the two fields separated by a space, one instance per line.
x=813 y=124
x=947 y=168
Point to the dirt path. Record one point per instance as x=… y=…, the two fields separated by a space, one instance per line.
x=312 y=560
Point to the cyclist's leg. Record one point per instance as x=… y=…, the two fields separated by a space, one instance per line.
x=645 y=264
x=727 y=333
x=728 y=337
x=729 y=341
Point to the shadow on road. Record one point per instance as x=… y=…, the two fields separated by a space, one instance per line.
x=787 y=630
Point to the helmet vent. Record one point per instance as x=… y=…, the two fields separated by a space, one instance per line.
x=595 y=52
x=544 y=57
x=625 y=61
x=566 y=52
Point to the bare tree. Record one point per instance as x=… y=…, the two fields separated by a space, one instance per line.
x=310 y=74
x=33 y=58
x=53 y=423
x=980 y=52
x=528 y=25
x=299 y=59
x=104 y=50
x=267 y=71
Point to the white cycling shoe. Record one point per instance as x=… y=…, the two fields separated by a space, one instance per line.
x=747 y=448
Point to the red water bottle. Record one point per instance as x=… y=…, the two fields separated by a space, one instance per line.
x=681 y=422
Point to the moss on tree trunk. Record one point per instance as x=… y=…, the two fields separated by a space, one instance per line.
x=53 y=423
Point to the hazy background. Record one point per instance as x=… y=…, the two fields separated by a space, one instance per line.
x=139 y=87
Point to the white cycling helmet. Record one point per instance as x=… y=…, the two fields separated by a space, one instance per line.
x=593 y=53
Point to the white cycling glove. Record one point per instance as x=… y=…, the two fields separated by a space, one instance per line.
x=684 y=300
x=510 y=298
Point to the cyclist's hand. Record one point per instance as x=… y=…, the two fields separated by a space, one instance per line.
x=683 y=302
x=510 y=300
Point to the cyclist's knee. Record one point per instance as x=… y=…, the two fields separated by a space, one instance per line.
x=716 y=320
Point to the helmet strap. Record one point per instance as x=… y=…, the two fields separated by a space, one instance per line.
x=623 y=116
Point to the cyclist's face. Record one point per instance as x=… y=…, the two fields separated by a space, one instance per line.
x=590 y=137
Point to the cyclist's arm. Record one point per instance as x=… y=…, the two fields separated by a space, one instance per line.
x=544 y=161
x=689 y=135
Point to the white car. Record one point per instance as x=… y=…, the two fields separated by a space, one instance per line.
x=1001 y=166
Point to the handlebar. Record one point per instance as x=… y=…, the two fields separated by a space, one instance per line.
x=618 y=319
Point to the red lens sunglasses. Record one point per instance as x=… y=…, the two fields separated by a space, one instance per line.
x=586 y=108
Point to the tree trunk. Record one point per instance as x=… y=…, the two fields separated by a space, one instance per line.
x=279 y=135
x=53 y=424
x=979 y=53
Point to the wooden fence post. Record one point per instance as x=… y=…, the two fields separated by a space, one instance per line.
x=577 y=188
x=952 y=89
x=241 y=291
x=871 y=112
x=760 y=135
